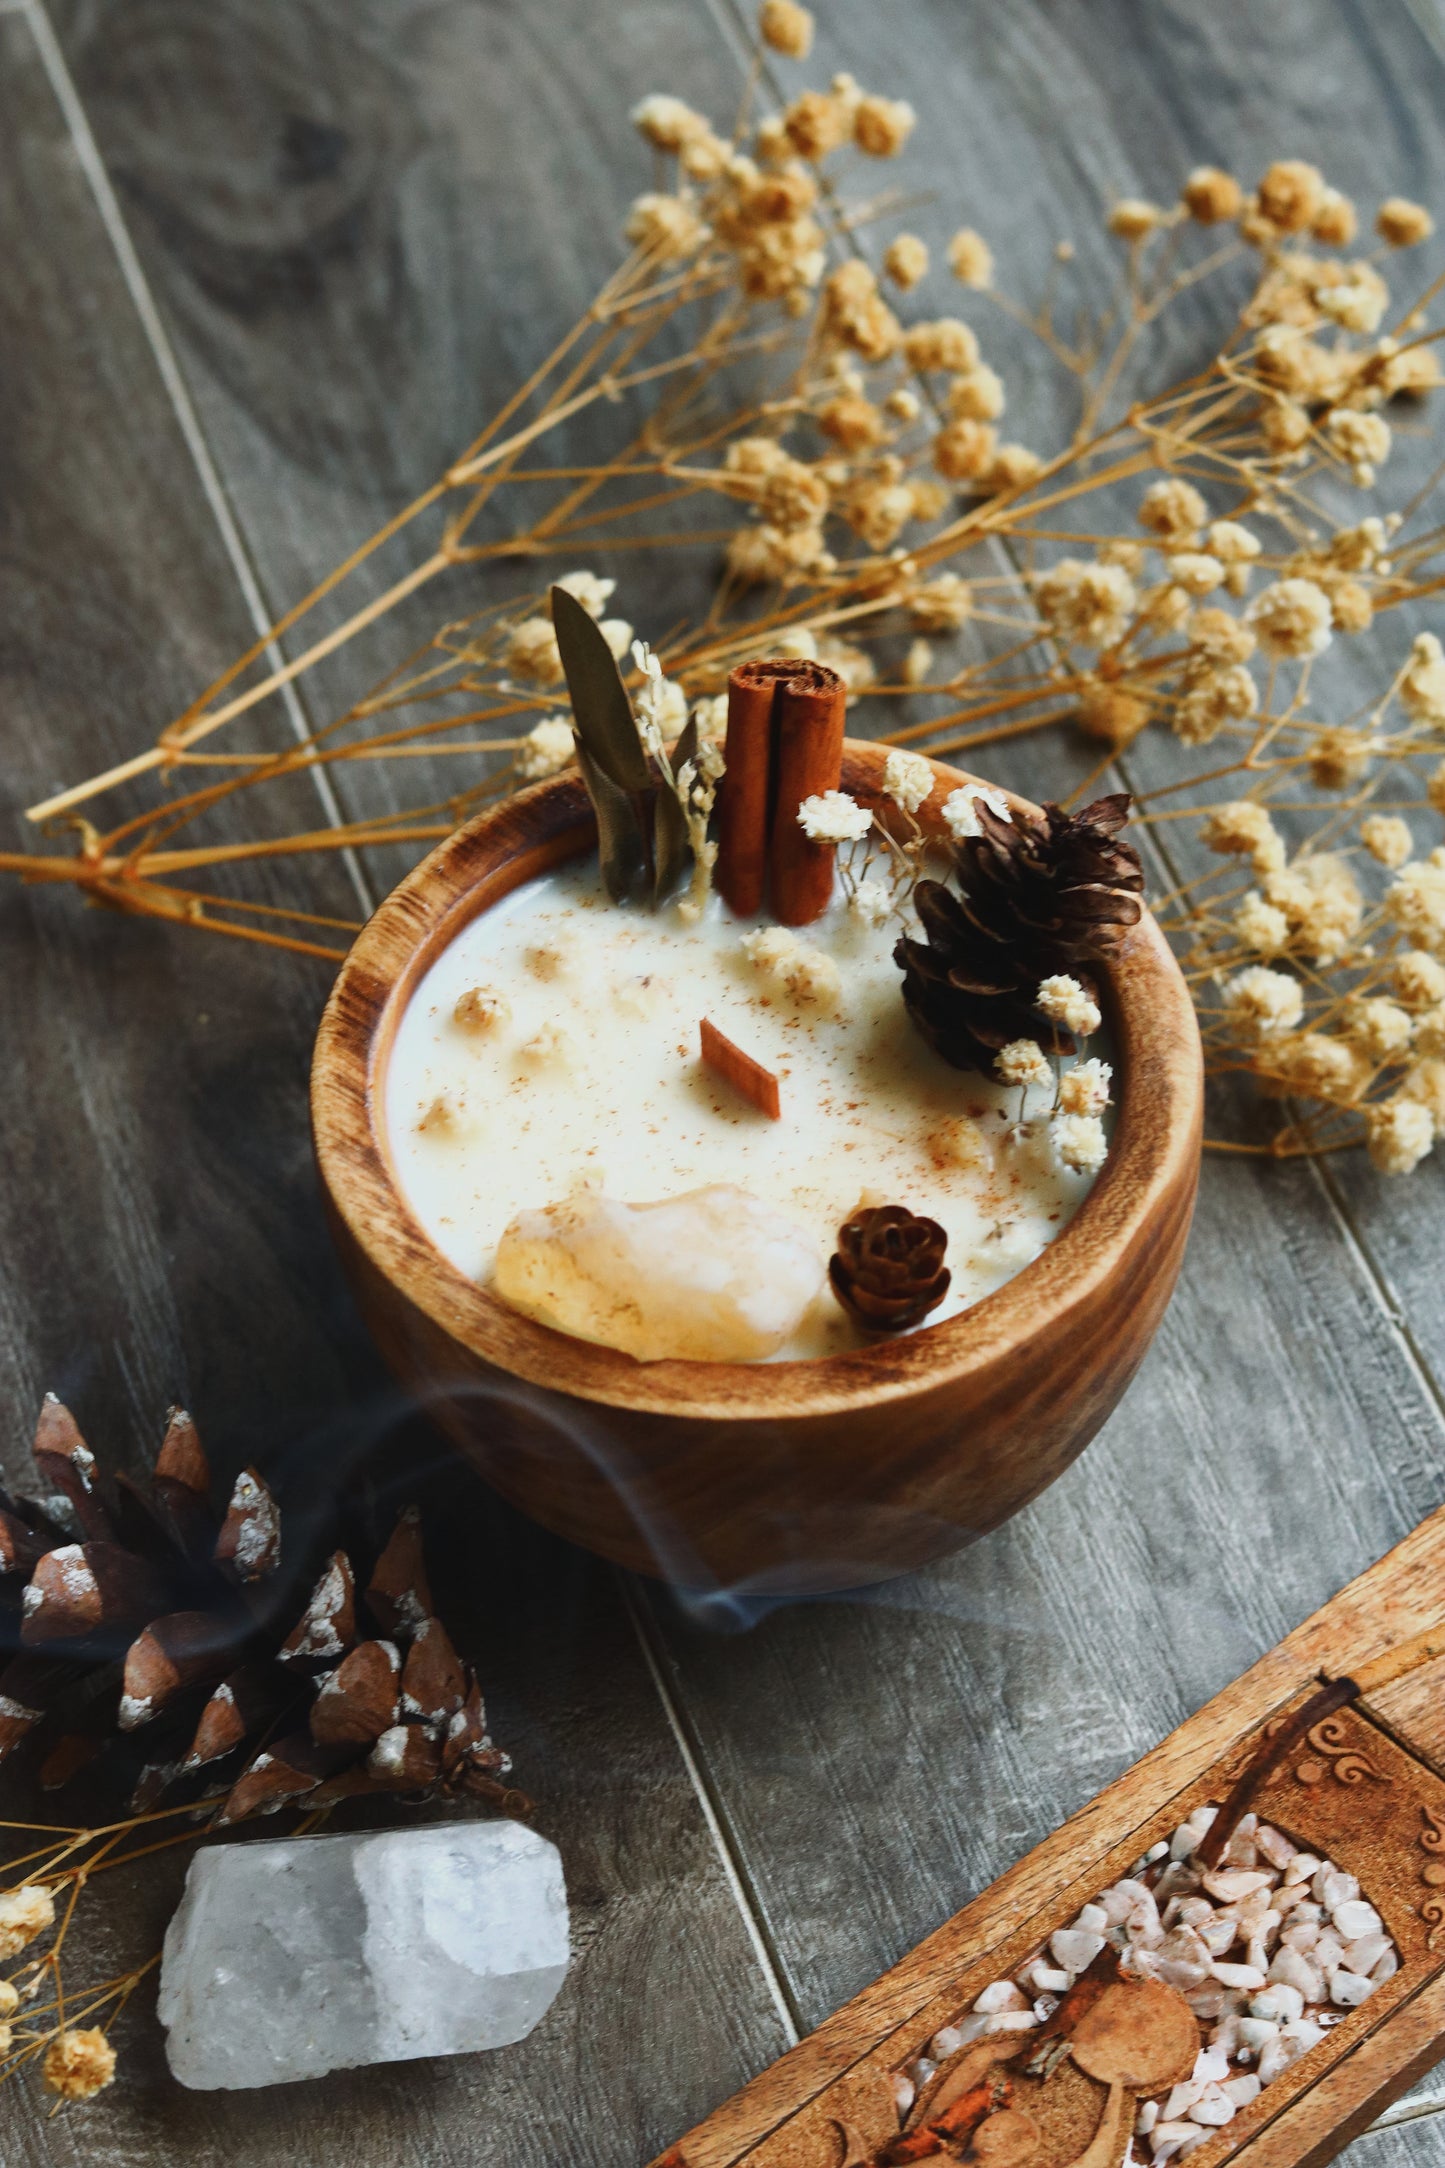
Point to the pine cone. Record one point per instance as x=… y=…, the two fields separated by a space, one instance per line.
x=888 y=1270
x=1040 y=894
x=161 y=1626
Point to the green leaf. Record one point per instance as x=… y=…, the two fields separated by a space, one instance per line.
x=621 y=851
x=601 y=711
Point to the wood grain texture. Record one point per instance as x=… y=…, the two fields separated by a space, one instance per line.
x=714 y=1473
x=163 y=1238
x=1325 y=2099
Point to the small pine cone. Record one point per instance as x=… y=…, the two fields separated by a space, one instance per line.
x=888 y=1270
x=1038 y=894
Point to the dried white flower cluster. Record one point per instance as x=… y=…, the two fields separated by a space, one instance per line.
x=1270 y=1949
x=1081 y=1092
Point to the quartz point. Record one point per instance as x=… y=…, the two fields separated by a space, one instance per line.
x=289 y=1957
x=713 y=1275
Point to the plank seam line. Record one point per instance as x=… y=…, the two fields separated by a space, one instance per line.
x=1409 y=2111
x=743 y=1896
x=92 y=166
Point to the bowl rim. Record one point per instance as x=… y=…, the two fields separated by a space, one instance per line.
x=1159 y=1085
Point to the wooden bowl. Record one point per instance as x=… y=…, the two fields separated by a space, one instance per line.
x=776 y=1478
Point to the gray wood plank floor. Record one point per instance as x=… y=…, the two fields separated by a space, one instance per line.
x=351 y=224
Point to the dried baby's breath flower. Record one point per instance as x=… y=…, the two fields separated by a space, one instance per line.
x=1286 y=425
x=1064 y=1001
x=532 y=652
x=852 y=422
x=948 y=343
x=1387 y=838
x=1290 y=194
x=1424 y=1084
x=1173 y=509
x=872 y=901
x=1122 y=550
x=879 y=511
x=1134 y=219
x=881 y=126
x=1196 y=571
x=1211 y=700
x=855 y=313
x=1354 y=296
x=24 y=1913
x=1401 y=223
x=1216 y=637
x=787 y=28
x=9 y=1998
x=930 y=499
x=854 y=665
x=1087 y=604
x=1212 y=196
x=1415 y=900
x=1110 y=714
x=547 y=747
x=831 y=816
x=1232 y=543
x=1084 y=1089
x=1378 y=1026
x=816 y=123
x=960 y=810
x=1244 y=829
x=965 y=450
x=1259 y=925
x=78 y=2065
x=667 y=123
x=970 y=259
x=1363 y=440
x=1291 y=619
x=917 y=662
x=1352 y=607
x=1430 y=1033
x=759 y=554
x=1418 y=980
x=906 y=260
x=1011 y=467
x=1079 y=1142
x=593 y=593
x=1165 y=607
x=907 y=780
x=976 y=396
x=617 y=632
x=812 y=978
x=1262 y=1001
x=1321 y=899
x=904 y=405
x=940 y=605
x=1339 y=757
x=1422 y=687
x=1319 y=1065
x=667 y=227
x=1398 y=1134
x=1334 y=224
x=1024 y=1062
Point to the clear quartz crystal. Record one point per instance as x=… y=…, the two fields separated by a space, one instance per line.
x=292 y=1957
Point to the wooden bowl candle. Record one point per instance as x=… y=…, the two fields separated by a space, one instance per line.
x=765 y=1477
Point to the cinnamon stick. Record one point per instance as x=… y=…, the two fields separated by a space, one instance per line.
x=784 y=744
x=808 y=715
x=740 y=1070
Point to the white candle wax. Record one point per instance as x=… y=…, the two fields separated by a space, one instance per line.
x=575 y=1060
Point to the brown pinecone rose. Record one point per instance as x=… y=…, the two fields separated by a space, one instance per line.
x=1039 y=894
x=888 y=1270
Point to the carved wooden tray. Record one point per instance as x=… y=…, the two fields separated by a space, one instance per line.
x=1364 y=1787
